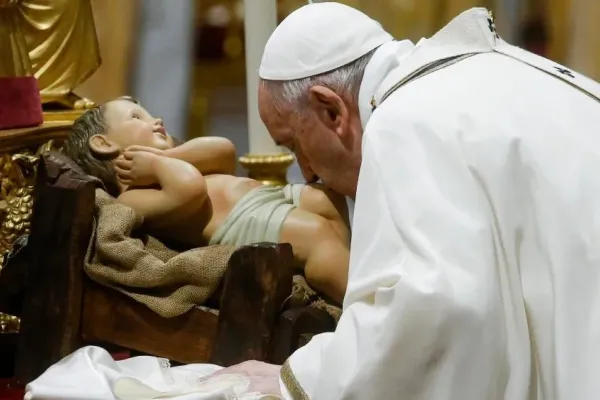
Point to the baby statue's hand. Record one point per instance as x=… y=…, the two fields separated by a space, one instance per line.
x=135 y=168
x=152 y=150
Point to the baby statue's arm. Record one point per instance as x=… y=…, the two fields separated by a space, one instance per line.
x=182 y=192
x=210 y=155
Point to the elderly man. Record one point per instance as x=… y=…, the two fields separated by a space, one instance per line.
x=475 y=265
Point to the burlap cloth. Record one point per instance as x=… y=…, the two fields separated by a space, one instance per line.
x=168 y=282
x=303 y=295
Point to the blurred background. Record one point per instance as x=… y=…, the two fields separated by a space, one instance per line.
x=184 y=59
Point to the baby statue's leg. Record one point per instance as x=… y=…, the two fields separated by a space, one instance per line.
x=318 y=199
x=320 y=248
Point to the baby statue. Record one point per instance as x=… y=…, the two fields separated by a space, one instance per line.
x=188 y=195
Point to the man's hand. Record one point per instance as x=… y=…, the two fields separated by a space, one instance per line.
x=136 y=168
x=264 y=378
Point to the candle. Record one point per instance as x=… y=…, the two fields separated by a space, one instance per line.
x=260 y=19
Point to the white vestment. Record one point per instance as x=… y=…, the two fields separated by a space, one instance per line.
x=475 y=257
x=90 y=373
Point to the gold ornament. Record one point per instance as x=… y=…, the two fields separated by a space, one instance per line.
x=9 y=323
x=17 y=178
x=269 y=169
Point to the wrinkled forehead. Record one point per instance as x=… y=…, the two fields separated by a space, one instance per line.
x=120 y=110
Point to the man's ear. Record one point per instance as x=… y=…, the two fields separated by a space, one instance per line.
x=330 y=108
x=103 y=146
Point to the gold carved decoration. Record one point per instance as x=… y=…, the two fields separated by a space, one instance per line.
x=17 y=179
x=17 y=197
x=17 y=174
x=9 y=324
x=269 y=169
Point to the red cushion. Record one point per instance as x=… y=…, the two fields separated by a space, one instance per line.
x=11 y=390
x=20 y=104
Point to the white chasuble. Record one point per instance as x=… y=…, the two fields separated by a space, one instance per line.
x=475 y=257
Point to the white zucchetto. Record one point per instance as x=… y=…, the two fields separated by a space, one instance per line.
x=319 y=38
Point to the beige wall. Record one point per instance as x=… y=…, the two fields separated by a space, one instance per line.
x=404 y=19
x=414 y=19
x=557 y=12
x=455 y=7
x=115 y=25
x=584 y=44
x=574 y=25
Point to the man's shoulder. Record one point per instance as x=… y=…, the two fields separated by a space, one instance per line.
x=423 y=101
x=445 y=99
x=484 y=87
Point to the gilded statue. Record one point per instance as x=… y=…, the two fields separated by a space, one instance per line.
x=53 y=40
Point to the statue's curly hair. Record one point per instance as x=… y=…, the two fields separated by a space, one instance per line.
x=77 y=147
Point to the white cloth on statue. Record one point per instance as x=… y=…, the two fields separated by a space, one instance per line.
x=90 y=373
x=475 y=267
x=292 y=53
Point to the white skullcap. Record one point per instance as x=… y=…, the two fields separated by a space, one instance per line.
x=319 y=38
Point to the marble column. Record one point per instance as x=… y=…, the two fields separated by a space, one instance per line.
x=260 y=20
x=266 y=162
x=508 y=15
x=164 y=60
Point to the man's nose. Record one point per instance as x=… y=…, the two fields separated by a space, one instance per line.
x=158 y=121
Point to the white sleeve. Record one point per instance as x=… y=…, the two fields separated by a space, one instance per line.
x=423 y=312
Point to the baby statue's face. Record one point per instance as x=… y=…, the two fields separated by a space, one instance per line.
x=129 y=124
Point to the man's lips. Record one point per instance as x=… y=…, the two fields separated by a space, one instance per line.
x=162 y=131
